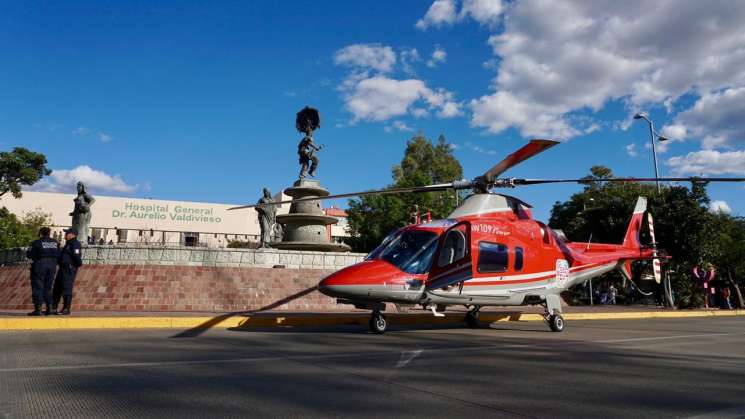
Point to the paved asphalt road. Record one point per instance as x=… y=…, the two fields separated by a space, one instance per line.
x=629 y=368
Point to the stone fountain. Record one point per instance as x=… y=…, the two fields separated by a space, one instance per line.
x=306 y=226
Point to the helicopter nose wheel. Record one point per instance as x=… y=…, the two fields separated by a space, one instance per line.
x=555 y=322
x=377 y=323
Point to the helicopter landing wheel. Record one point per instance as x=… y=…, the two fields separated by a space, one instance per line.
x=472 y=319
x=555 y=322
x=377 y=323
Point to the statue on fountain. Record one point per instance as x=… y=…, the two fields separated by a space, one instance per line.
x=271 y=231
x=307 y=121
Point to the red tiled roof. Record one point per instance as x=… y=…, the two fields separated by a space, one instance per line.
x=335 y=212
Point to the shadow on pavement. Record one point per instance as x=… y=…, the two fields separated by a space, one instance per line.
x=198 y=330
x=277 y=322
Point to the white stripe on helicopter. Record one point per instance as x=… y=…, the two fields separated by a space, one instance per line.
x=546 y=274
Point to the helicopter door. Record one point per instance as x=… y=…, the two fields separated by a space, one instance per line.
x=452 y=262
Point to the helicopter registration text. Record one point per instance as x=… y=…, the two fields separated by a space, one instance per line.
x=489 y=229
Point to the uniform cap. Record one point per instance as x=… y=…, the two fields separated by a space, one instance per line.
x=72 y=230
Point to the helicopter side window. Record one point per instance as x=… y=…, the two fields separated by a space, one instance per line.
x=453 y=248
x=493 y=257
x=518 y=259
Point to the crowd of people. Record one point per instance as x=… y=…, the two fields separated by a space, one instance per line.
x=605 y=294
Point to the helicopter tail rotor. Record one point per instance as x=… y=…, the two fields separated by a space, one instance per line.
x=656 y=268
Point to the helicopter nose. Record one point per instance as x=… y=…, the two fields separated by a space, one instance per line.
x=335 y=290
x=341 y=285
x=368 y=280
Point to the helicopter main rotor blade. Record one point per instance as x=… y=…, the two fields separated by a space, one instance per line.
x=527 y=151
x=415 y=189
x=518 y=182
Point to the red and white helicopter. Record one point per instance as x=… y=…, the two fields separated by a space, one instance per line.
x=488 y=252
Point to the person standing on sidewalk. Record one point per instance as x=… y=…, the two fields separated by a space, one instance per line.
x=71 y=258
x=612 y=293
x=44 y=254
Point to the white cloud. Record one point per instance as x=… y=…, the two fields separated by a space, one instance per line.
x=591 y=128
x=709 y=162
x=104 y=138
x=719 y=207
x=491 y=64
x=95 y=180
x=716 y=119
x=398 y=125
x=486 y=12
x=439 y=13
x=380 y=98
x=371 y=95
x=366 y=56
x=450 y=110
x=558 y=58
x=419 y=113
x=503 y=110
x=444 y=12
x=631 y=150
x=82 y=131
x=661 y=147
x=479 y=149
x=408 y=58
x=675 y=132
x=438 y=56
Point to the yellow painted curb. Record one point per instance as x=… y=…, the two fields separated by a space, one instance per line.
x=290 y=320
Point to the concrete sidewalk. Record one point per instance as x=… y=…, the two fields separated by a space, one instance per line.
x=188 y=320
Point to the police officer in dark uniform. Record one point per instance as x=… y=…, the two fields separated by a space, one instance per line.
x=44 y=253
x=70 y=259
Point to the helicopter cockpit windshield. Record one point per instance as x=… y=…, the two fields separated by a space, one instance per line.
x=409 y=250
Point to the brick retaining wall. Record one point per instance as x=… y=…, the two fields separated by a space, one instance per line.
x=141 y=279
x=179 y=288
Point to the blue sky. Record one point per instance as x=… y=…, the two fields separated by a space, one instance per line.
x=196 y=101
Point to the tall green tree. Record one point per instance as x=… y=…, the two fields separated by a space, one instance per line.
x=15 y=232
x=371 y=218
x=20 y=167
x=728 y=252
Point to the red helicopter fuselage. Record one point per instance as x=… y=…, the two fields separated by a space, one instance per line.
x=490 y=251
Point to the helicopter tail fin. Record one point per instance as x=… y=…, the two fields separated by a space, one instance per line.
x=631 y=240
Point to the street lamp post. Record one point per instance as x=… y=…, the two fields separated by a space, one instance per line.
x=652 y=134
